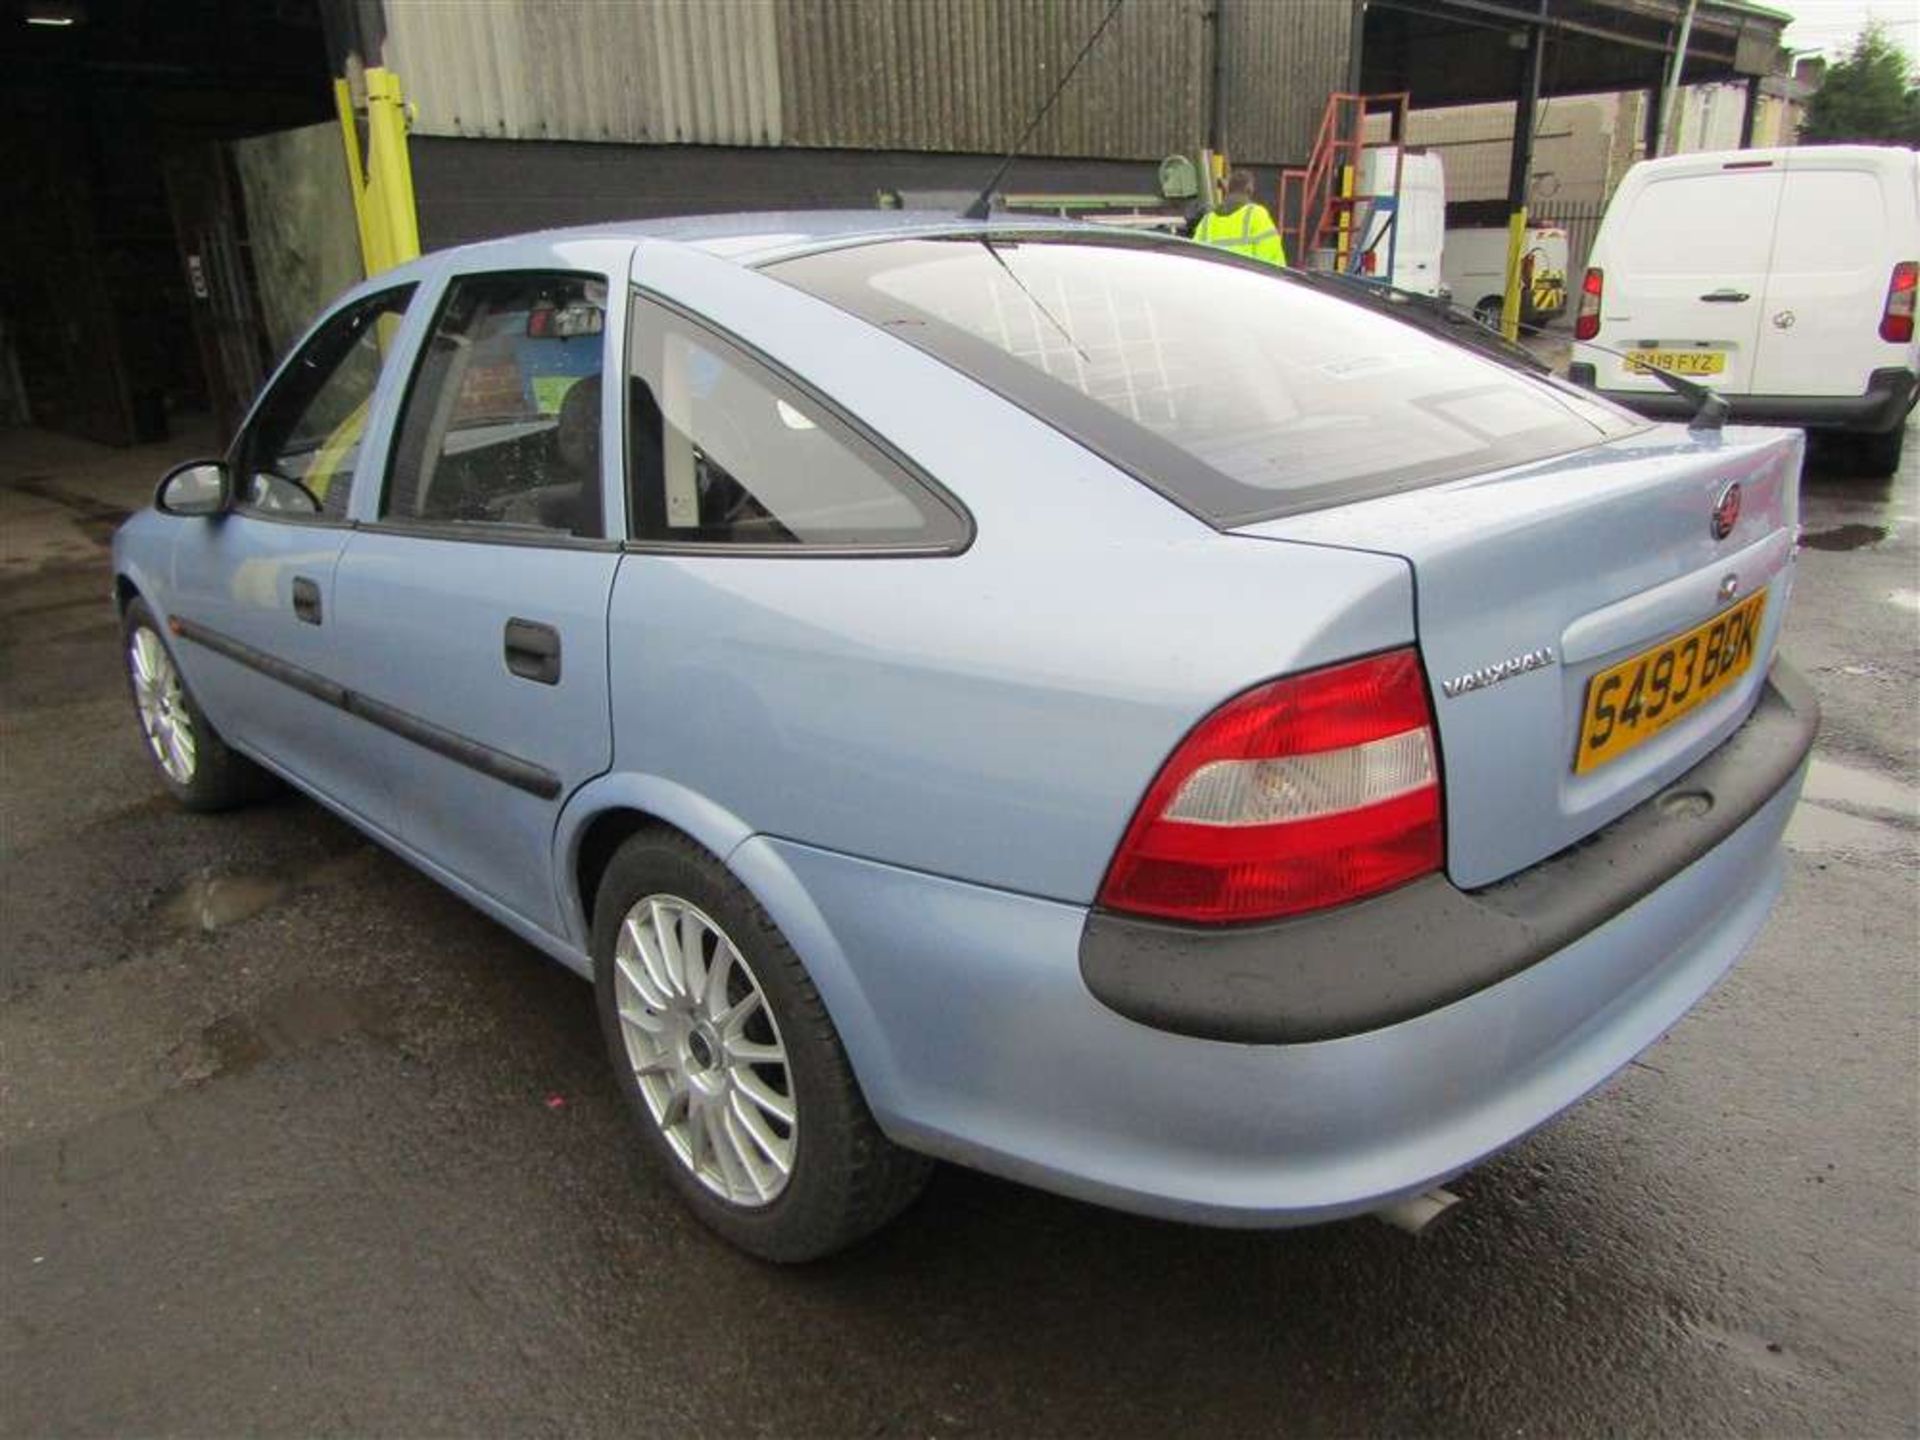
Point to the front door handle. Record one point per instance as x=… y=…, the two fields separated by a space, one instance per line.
x=306 y=600
x=1725 y=297
x=533 y=651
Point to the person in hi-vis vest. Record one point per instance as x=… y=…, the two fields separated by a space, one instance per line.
x=1241 y=224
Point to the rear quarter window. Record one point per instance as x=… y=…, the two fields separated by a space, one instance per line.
x=1235 y=391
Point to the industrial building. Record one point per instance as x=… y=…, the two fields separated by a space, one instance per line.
x=180 y=204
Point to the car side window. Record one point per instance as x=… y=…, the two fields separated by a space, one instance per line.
x=297 y=456
x=723 y=451
x=501 y=427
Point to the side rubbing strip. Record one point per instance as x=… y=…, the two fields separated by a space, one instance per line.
x=521 y=774
x=508 y=769
x=272 y=666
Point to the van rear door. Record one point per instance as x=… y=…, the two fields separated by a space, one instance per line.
x=1685 y=260
x=1423 y=225
x=1419 y=222
x=1831 y=263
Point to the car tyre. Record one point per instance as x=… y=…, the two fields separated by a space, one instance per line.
x=702 y=1082
x=197 y=767
x=1879 y=455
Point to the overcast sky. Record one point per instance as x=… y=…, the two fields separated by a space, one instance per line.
x=1830 y=25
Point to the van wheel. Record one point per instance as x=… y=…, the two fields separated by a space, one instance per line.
x=1879 y=455
x=195 y=764
x=1487 y=312
x=734 y=1072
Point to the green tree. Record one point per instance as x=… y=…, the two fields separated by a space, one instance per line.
x=1869 y=96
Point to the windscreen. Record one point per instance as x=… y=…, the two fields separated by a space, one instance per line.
x=1235 y=391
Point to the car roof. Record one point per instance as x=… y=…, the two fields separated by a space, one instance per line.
x=758 y=238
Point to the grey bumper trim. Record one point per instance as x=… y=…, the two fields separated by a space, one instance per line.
x=1890 y=395
x=1428 y=944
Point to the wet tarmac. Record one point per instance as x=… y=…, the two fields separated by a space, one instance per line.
x=292 y=1141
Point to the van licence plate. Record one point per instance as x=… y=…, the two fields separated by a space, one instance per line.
x=1638 y=698
x=1677 y=362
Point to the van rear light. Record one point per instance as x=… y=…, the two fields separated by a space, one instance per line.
x=1306 y=792
x=1586 y=324
x=1896 y=321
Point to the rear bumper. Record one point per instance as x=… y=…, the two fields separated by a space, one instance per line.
x=1428 y=944
x=1890 y=394
x=975 y=1039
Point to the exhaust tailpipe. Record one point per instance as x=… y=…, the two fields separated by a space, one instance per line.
x=1417 y=1214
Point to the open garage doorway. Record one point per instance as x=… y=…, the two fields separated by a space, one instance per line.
x=127 y=290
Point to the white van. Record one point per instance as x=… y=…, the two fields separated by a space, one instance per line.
x=1784 y=279
x=1476 y=272
x=1420 y=231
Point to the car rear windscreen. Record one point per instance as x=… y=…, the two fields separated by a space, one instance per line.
x=1236 y=391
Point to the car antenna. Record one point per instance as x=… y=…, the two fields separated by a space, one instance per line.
x=1712 y=409
x=983 y=202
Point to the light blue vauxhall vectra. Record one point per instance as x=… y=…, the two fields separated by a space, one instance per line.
x=1072 y=703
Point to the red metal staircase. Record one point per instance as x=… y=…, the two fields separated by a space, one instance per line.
x=1320 y=216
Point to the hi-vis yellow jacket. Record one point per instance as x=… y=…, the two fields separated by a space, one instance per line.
x=1247 y=231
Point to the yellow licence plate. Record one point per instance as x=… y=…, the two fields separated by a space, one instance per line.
x=1638 y=698
x=1677 y=362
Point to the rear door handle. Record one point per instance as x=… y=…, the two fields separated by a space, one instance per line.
x=1725 y=297
x=533 y=651
x=306 y=600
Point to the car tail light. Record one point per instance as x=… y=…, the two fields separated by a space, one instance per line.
x=1302 y=793
x=1896 y=321
x=1586 y=324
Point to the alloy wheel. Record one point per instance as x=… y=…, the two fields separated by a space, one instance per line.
x=706 y=1050
x=163 y=706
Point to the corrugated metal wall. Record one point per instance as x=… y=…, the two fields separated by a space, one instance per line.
x=967 y=75
x=1282 y=59
x=936 y=75
x=664 y=72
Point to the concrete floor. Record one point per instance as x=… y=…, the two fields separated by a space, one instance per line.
x=292 y=1141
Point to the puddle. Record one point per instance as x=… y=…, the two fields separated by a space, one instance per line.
x=96 y=519
x=1817 y=831
x=1824 y=822
x=1829 y=780
x=1767 y=1356
x=1905 y=599
x=210 y=901
x=303 y=1016
x=1869 y=672
x=42 y=487
x=1843 y=537
x=213 y=902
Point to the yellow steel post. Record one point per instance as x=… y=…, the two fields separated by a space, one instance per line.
x=383 y=187
x=389 y=171
x=1343 y=238
x=1516 y=249
x=356 y=175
